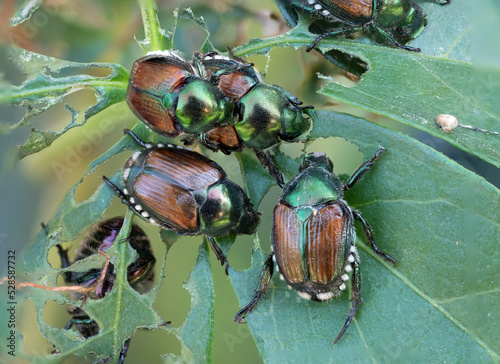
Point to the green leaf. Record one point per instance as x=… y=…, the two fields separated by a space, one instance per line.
x=257 y=180
x=439 y=220
x=123 y=310
x=155 y=37
x=441 y=223
x=196 y=333
x=44 y=88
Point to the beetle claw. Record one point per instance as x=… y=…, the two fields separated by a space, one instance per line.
x=239 y=319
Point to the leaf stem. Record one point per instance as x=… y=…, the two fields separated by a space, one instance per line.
x=152 y=31
x=62 y=88
x=260 y=46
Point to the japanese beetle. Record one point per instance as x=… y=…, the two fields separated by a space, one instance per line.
x=167 y=94
x=140 y=273
x=185 y=192
x=266 y=114
x=313 y=236
x=392 y=22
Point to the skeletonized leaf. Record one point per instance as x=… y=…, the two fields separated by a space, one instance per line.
x=44 y=87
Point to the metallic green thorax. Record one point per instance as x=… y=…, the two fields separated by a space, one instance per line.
x=266 y=115
x=202 y=106
x=312 y=187
x=315 y=184
x=223 y=209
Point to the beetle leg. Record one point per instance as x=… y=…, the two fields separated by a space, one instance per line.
x=69 y=324
x=294 y=100
x=119 y=192
x=369 y=236
x=188 y=139
x=123 y=352
x=365 y=167
x=390 y=40
x=356 y=288
x=214 y=147
x=122 y=196
x=218 y=253
x=338 y=31
x=63 y=254
x=265 y=278
x=266 y=161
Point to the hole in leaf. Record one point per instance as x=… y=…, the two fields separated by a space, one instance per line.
x=292 y=150
x=353 y=67
x=149 y=345
x=345 y=155
x=55 y=259
x=91 y=142
x=103 y=234
x=174 y=301
x=55 y=314
x=33 y=343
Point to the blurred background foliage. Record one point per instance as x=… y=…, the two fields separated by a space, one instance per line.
x=103 y=31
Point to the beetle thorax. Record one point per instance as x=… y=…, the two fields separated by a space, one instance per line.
x=312 y=187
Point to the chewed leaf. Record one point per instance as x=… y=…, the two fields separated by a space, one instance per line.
x=113 y=313
x=25 y=11
x=188 y=14
x=197 y=331
x=155 y=37
x=115 y=307
x=44 y=87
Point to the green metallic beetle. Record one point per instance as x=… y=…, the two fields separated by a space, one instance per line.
x=313 y=236
x=185 y=192
x=266 y=114
x=393 y=22
x=166 y=93
x=140 y=273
